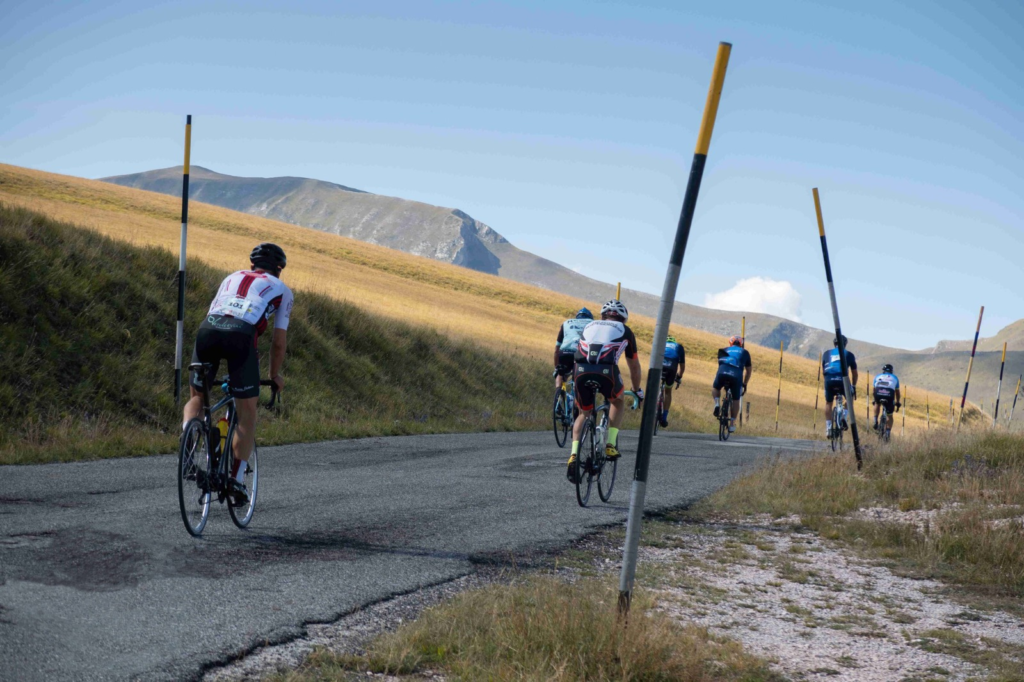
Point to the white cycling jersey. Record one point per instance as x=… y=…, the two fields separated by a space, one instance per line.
x=253 y=297
x=604 y=342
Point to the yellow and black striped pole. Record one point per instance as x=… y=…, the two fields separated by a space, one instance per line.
x=867 y=403
x=618 y=291
x=817 y=390
x=970 y=366
x=927 y=410
x=743 y=343
x=668 y=296
x=1014 y=405
x=999 y=387
x=906 y=406
x=778 y=396
x=844 y=366
x=179 y=338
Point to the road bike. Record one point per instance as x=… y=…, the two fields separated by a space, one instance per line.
x=591 y=464
x=563 y=413
x=835 y=434
x=882 y=429
x=206 y=460
x=724 y=416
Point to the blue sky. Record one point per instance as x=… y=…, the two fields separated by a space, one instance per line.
x=569 y=127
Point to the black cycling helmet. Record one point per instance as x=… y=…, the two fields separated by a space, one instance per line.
x=835 y=342
x=887 y=368
x=268 y=256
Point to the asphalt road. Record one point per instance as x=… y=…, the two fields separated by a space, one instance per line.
x=99 y=579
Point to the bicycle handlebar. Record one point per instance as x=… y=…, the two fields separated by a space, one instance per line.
x=273 y=392
x=635 y=397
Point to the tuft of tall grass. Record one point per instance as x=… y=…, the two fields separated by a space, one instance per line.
x=545 y=629
x=973 y=485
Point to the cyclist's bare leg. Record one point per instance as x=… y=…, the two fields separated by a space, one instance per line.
x=891 y=418
x=616 y=413
x=245 y=432
x=828 y=411
x=577 y=427
x=668 y=398
x=878 y=408
x=558 y=382
x=734 y=410
x=194 y=406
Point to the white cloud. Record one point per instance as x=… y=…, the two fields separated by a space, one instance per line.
x=759 y=295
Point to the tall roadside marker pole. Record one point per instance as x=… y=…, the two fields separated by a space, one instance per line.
x=618 y=291
x=668 y=296
x=970 y=366
x=1014 y=406
x=867 y=392
x=743 y=343
x=179 y=338
x=927 y=410
x=999 y=387
x=778 y=396
x=843 y=365
x=817 y=390
x=906 y=406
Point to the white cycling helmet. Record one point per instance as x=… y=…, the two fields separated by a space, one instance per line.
x=615 y=306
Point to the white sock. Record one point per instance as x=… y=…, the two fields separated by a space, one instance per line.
x=242 y=468
x=717 y=403
x=828 y=423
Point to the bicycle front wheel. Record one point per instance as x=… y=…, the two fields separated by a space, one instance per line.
x=586 y=462
x=723 y=420
x=242 y=514
x=194 y=476
x=560 y=418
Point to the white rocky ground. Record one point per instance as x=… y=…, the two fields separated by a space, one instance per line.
x=819 y=612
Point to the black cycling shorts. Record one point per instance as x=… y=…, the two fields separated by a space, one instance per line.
x=732 y=380
x=565 y=364
x=222 y=337
x=833 y=386
x=888 y=401
x=591 y=378
x=668 y=374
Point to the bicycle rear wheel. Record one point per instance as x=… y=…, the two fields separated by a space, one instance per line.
x=194 y=476
x=585 y=462
x=606 y=476
x=723 y=420
x=242 y=514
x=560 y=418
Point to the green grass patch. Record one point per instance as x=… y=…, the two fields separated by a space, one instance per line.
x=544 y=629
x=87 y=332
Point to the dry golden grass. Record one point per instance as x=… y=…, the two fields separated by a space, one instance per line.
x=545 y=629
x=461 y=303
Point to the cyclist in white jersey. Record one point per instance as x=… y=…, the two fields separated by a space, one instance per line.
x=886 y=389
x=601 y=345
x=239 y=313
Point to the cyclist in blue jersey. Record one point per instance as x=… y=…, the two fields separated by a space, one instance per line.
x=734 y=370
x=672 y=368
x=565 y=345
x=886 y=389
x=831 y=369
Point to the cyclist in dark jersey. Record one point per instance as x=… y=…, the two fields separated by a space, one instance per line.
x=672 y=368
x=832 y=370
x=239 y=313
x=565 y=344
x=734 y=369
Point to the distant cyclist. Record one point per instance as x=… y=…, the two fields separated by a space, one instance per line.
x=565 y=344
x=672 y=368
x=734 y=370
x=601 y=345
x=833 y=373
x=239 y=313
x=886 y=392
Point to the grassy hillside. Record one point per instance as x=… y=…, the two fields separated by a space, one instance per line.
x=88 y=332
x=462 y=305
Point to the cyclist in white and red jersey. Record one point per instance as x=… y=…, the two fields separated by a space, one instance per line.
x=238 y=315
x=601 y=345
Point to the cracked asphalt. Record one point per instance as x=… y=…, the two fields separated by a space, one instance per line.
x=100 y=581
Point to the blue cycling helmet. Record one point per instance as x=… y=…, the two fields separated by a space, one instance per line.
x=584 y=314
